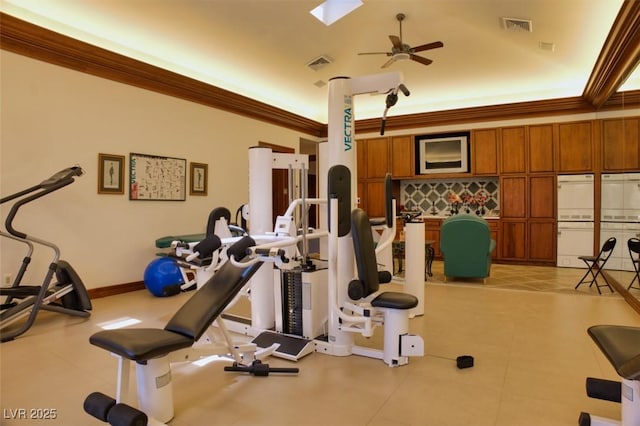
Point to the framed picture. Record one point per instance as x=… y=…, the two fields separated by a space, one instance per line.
x=199 y=178
x=110 y=174
x=442 y=153
x=157 y=178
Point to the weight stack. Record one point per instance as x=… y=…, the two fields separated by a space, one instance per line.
x=291 y=288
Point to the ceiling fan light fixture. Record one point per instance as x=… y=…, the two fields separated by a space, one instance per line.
x=332 y=10
x=401 y=56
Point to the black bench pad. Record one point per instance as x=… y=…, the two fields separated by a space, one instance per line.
x=395 y=300
x=621 y=346
x=140 y=344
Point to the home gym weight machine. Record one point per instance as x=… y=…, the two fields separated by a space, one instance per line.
x=67 y=294
x=314 y=301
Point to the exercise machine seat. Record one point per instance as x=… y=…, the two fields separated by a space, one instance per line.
x=367 y=265
x=190 y=322
x=466 y=244
x=621 y=346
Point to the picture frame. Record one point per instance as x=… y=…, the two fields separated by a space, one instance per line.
x=442 y=153
x=110 y=174
x=157 y=178
x=199 y=176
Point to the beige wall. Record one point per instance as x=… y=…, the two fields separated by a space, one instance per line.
x=52 y=118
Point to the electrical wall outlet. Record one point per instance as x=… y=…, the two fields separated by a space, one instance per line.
x=6 y=278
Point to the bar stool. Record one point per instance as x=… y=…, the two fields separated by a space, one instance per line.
x=429 y=254
x=634 y=252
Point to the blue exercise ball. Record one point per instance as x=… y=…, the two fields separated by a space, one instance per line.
x=162 y=277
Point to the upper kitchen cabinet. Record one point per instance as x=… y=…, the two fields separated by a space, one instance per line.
x=540 y=149
x=402 y=160
x=377 y=157
x=484 y=151
x=575 y=147
x=512 y=150
x=620 y=144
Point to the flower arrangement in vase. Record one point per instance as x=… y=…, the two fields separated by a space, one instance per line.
x=455 y=201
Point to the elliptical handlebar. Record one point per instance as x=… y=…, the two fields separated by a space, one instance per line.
x=62 y=175
x=59 y=180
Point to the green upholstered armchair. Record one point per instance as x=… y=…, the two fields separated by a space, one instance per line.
x=466 y=245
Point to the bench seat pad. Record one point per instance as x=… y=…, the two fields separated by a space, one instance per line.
x=140 y=344
x=395 y=300
x=621 y=346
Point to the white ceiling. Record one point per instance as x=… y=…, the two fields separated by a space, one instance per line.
x=260 y=48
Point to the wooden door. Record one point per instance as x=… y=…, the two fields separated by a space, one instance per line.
x=541 y=149
x=542 y=190
x=377 y=157
x=484 y=151
x=280 y=183
x=513 y=240
x=402 y=162
x=513 y=196
x=542 y=241
x=620 y=144
x=575 y=147
x=512 y=150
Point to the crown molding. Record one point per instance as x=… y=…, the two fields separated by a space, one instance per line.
x=618 y=57
x=36 y=42
x=613 y=67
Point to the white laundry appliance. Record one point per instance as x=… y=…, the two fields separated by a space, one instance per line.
x=575 y=200
x=620 y=215
x=622 y=231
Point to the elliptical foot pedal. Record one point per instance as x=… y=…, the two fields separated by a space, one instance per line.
x=291 y=348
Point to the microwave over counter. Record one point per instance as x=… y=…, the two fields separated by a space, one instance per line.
x=442 y=153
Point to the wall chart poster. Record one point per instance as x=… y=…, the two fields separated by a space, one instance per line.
x=157 y=178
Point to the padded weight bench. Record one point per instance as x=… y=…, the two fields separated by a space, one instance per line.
x=621 y=346
x=154 y=349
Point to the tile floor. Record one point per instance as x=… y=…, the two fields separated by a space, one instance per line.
x=531 y=351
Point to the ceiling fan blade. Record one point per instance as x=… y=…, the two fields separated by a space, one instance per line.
x=375 y=53
x=428 y=46
x=389 y=62
x=395 y=40
x=420 y=59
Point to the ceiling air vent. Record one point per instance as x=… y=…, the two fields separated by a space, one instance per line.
x=319 y=63
x=515 y=24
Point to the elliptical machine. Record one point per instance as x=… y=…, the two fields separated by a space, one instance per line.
x=67 y=294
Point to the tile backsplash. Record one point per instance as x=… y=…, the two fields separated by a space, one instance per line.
x=432 y=196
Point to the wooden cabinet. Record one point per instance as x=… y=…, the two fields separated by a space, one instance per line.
x=540 y=158
x=432 y=232
x=620 y=144
x=484 y=152
x=542 y=190
x=494 y=229
x=542 y=239
x=513 y=238
x=402 y=159
x=513 y=196
x=377 y=157
x=374 y=202
x=575 y=147
x=513 y=150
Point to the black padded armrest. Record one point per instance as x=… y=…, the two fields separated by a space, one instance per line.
x=621 y=346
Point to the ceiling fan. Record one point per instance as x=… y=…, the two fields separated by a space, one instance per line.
x=401 y=51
